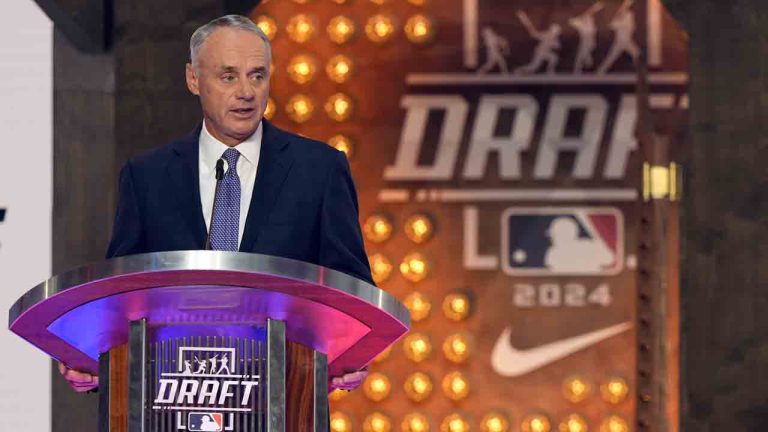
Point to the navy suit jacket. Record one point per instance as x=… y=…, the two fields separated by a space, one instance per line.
x=304 y=204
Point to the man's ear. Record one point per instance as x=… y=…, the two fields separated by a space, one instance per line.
x=192 y=83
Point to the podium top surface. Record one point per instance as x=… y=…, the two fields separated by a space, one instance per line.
x=79 y=314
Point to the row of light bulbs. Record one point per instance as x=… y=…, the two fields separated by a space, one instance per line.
x=378 y=2
x=300 y=107
x=302 y=68
x=341 y=29
x=418 y=386
x=614 y=390
x=491 y=422
x=417 y=347
x=456 y=306
x=418 y=228
x=415 y=267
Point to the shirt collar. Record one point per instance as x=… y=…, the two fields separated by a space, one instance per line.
x=211 y=148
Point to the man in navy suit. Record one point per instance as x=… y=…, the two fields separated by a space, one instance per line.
x=278 y=193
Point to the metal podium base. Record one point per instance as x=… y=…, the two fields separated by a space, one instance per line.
x=216 y=341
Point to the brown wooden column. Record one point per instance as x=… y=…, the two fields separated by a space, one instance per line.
x=299 y=388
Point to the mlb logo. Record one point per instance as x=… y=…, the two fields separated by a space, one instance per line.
x=555 y=241
x=205 y=422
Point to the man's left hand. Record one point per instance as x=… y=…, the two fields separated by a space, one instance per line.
x=349 y=381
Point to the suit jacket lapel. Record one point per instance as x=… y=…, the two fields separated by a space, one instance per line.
x=274 y=163
x=184 y=175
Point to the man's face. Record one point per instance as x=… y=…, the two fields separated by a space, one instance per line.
x=232 y=79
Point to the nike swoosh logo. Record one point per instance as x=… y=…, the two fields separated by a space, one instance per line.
x=509 y=361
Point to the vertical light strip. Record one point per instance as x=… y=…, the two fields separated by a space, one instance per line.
x=470 y=34
x=655 y=33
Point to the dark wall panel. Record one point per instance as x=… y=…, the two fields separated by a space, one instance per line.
x=725 y=221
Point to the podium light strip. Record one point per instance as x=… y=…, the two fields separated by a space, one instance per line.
x=275 y=376
x=137 y=391
x=320 y=402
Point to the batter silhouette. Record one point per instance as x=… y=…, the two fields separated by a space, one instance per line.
x=587 y=28
x=545 y=51
x=202 y=366
x=224 y=365
x=571 y=254
x=208 y=424
x=496 y=47
x=623 y=25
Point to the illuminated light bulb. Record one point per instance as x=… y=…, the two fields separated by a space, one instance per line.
x=300 y=108
x=340 y=29
x=418 y=2
x=419 y=228
x=383 y=355
x=417 y=347
x=614 y=423
x=536 y=423
x=376 y=387
x=377 y=422
x=340 y=422
x=576 y=389
x=418 y=305
x=456 y=348
x=302 y=69
x=415 y=422
x=381 y=268
x=379 y=28
x=418 y=386
x=301 y=28
x=419 y=29
x=573 y=423
x=377 y=228
x=337 y=394
x=268 y=25
x=456 y=306
x=494 y=422
x=454 y=423
x=615 y=390
x=339 y=68
x=342 y=143
x=269 y=111
x=414 y=267
x=455 y=386
x=339 y=107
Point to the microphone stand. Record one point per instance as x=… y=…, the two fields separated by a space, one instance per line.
x=219 y=176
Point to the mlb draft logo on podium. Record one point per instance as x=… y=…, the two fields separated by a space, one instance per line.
x=551 y=241
x=208 y=422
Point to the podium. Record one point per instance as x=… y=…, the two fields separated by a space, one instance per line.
x=209 y=340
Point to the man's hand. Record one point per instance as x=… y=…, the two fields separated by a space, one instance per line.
x=349 y=381
x=80 y=381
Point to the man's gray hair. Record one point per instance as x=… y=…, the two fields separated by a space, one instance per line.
x=230 y=21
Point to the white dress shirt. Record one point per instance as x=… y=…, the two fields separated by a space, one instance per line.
x=211 y=150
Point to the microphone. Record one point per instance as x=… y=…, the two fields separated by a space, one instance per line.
x=219 y=176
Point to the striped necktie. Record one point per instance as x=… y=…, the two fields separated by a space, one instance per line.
x=225 y=225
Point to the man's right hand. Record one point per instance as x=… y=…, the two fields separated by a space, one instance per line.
x=80 y=381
